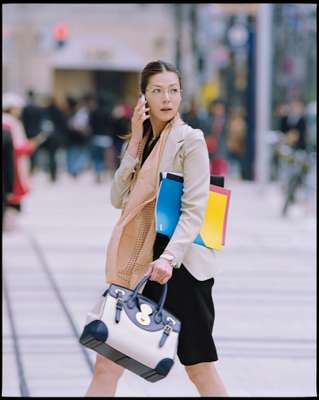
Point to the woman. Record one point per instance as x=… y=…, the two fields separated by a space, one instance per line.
x=235 y=143
x=160 y=141
x=23 y=147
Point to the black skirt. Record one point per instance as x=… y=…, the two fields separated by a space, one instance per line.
x=191 y=302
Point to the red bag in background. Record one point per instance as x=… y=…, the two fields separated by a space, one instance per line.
x=211 y=143
x=218 y=166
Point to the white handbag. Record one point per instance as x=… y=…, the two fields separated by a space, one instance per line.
x=133 y=331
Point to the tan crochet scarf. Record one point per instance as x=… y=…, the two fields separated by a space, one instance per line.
x=130 y=249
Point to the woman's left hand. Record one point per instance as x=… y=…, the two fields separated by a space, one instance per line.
x=161 y=271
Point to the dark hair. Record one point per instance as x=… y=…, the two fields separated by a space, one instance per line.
x=150 y=69
x=156 y=67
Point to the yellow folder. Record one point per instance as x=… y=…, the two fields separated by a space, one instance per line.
x=213 y=231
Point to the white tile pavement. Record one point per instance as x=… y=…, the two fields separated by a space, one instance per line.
x=264 y=295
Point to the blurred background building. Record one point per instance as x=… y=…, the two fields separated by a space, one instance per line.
x=69 y=49
x=64 y=50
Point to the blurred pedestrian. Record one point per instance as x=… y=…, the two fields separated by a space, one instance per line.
x=235 y=142
x=121 y=114
x=280 y=115
x=216 y=127
x=53 y=123
x=160 y=141
x=78 y=136
x=293 y=125
x=294 y=162
x=23 y=147
x=311 y=123
x=31 y=117
x=100 y=121
x=192 y=116
x=8 y=170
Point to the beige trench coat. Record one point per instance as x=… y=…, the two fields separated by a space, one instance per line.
x=185 y=153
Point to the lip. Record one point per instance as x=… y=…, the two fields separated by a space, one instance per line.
x=166 y=109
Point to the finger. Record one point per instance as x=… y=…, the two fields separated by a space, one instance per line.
x=162 y=278
x=140 y=114
x=140 y=103
x=138 y=118
x=162 y=281
x=150 y=268
x=137 y=111
x=138 y=107
x=167 y=277
x=155 y=276
x=141 y=110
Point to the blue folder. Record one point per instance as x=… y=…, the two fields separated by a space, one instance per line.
x=168 y=205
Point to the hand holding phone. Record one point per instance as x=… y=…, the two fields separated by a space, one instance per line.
x=146 y=108
x=141 y=113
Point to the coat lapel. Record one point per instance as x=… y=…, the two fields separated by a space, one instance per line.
x=174 y=142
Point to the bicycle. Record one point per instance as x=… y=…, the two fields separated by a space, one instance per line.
x=295 y=165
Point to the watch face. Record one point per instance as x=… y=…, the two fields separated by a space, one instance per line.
x=170 y=259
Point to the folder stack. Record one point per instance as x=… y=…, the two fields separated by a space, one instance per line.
x=168 y=210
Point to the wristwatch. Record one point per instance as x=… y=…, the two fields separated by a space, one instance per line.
x=171 y=259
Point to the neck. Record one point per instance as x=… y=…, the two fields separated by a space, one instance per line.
x=157 y=126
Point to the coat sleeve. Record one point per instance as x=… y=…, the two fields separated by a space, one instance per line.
x=196 y=173
x=26 y=148
x=122 y=179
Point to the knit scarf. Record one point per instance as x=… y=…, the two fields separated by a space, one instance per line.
x=130 y=249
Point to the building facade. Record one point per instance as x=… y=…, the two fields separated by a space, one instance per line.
x=103 y=47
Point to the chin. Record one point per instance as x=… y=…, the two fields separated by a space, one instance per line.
x=168 y=117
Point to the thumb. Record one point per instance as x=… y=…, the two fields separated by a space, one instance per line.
x=149 y=270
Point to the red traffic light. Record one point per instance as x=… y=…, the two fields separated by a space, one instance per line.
x=61 y=32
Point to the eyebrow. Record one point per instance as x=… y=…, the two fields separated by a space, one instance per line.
x=172 y=84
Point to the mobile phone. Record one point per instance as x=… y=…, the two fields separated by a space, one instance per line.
x=145 y=104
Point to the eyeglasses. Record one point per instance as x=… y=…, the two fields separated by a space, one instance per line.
x=157 y=92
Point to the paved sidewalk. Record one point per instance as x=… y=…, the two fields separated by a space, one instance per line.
x=264 y=295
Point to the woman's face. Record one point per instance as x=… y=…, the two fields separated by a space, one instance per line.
x=163 y=95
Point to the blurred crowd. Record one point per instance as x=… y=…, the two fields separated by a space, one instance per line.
x=87 y=132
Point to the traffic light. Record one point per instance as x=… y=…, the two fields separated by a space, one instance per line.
x=60 y=33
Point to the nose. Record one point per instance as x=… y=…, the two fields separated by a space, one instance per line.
x=167 y=97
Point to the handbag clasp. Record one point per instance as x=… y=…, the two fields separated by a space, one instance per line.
x=166 y=332
x=143 y=316
x=119 y=304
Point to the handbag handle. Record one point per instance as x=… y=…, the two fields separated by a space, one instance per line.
x=161 y=302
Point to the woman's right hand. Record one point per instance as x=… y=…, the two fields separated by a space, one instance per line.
x=141 y=113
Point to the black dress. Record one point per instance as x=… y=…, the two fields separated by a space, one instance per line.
x=190 y=300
